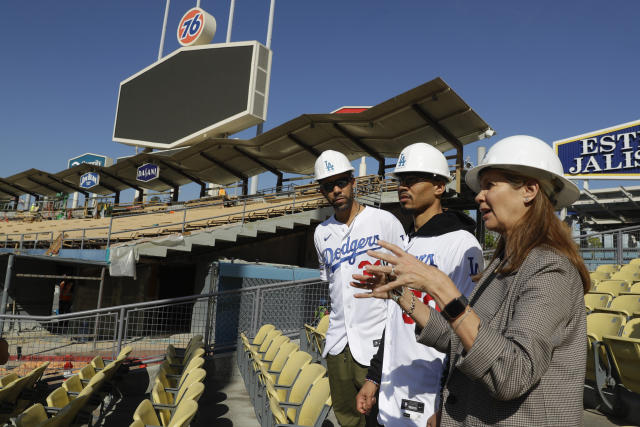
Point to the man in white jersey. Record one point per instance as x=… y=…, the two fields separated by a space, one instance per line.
x=342 y=242
x=405 y=374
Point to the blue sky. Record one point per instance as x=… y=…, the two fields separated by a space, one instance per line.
x=552 y=69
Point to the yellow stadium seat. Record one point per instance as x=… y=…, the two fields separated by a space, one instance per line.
x=33 y=416
x=625 y=354
x=291 y=399
x=599 y=275
x=635 y=261
x=314 y=409
x=607 y=268
x=599 y=324
x=629 y=276
x=58 y=398
x=9 y=378
x=614 y=287
x=185 y=412
x=97 y=363
x=146 y=414
x=630 y=267
x=73 y=385
x=594 y=300
x=627 y=305
x=86 y=373
x=310 y=331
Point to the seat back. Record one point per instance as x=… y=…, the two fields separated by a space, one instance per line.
x=292 y=367
x=58 y=398
x=66 y=416
x=607 y=268
x=628 y=303
x=73 y=384
x=634 y=268
x=323 y=325
x=34 y=376
x=9 y=378
x=629 y=276
x=275 y=347
x=194 y=364
x=34 y=415
x=613 y=287
x=95 y=383
x=262 y=334
x=87 y=372
x=599 y=324
x=124 y=353
x=145 y=413
x=196 y=375
x=599 y=275
x=625 y=356
x=316 y=403
x=159 y=395
x=283 y=354
x=97 y=362
x=110 y=370
x=308 y=376
x=268 y=340
x=635 y=288
x=595 y=300
x=185 y=412
x=632 y=329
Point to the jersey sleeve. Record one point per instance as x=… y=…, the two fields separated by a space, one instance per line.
x=468 y=262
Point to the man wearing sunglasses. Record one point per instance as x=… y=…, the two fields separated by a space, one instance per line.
x=407 y=373
x=355 y=325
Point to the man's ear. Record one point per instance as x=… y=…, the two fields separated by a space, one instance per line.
x=439 y=187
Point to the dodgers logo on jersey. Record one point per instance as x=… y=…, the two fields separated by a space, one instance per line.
x=401 y=161
x=190 y=26
x=349 y=251
x=328 y=165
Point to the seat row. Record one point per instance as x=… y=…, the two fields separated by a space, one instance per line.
x=615 y=287
x=73 y=402
x=613 y=352
x=177 y=388
x=627 y=305
x=629 y=272
x=313 y=337
x=285 y=386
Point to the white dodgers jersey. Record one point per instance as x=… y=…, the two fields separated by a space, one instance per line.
x=411 y=372
x=342 y=252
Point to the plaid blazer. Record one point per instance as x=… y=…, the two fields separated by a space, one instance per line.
x=527 y=364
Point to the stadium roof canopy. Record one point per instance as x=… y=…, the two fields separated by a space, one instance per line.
x=608 y=207
x=431 y=113
x=37 y=182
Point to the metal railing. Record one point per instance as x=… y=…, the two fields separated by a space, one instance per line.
x=368 y=190
x=150 y=326
x=609 y=247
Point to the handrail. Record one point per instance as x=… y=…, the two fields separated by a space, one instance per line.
x=133 y=306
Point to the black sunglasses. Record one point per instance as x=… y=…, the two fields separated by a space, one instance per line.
x=330 y=185
x=408 y=179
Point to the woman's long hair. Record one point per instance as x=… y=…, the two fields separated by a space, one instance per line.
x=538 y=227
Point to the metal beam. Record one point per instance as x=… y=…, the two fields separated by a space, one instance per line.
x=35 y=181
x=17 y=187
x=357 y=141
x=629 y=196
x=179 y=172
x=446 y=134
x=603 y=206
x=271 y=169
x=56 y=276
x=303 y=144
x=221 y=165
x=117 y=178
x=61 y=182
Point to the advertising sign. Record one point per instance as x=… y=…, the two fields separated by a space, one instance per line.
x=611 y=153
x=196 y=27
x=90 y=158
x=147 y=172
x=89 y=180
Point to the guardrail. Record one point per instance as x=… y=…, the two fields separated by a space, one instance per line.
x=368 y=189
x=609 y=247
x=150 y=326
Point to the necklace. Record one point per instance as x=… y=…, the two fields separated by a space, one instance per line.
x=360 y=209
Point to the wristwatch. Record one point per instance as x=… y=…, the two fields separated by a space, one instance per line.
x=455 y=308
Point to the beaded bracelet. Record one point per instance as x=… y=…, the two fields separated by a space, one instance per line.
x=413 y=305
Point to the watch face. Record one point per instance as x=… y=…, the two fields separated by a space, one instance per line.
x=455 y=307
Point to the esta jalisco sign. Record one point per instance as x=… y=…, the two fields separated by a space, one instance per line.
x=611 y=153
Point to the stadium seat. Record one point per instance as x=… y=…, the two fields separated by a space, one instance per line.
x=599 y=275
x=627 y=305
x=196 y=357
x=634 y=289
x=613 y=287
x=146 y=414
x=34 y=416
x=607 y=268
x=314 y=409
x=86 y=373
x=165 y=404
x=291 y=398
x=196 y=375
x=596 y=300
x=624 y=351
x=9 y=378
x=629 y=276
x=634 y=261
x=598 y=325
x=630 y=267
x=176 y=380
x=73 y=385
x=174 y=354
x=311 y=331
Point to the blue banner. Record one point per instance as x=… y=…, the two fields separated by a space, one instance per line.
x=89 y=179
x=612 y=153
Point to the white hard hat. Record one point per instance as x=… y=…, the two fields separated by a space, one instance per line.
x=422 y=157
x=331 y=163
x=532 y=157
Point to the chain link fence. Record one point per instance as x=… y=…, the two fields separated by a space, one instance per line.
x=75 y=338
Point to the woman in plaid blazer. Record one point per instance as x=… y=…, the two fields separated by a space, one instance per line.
x=517 y=347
